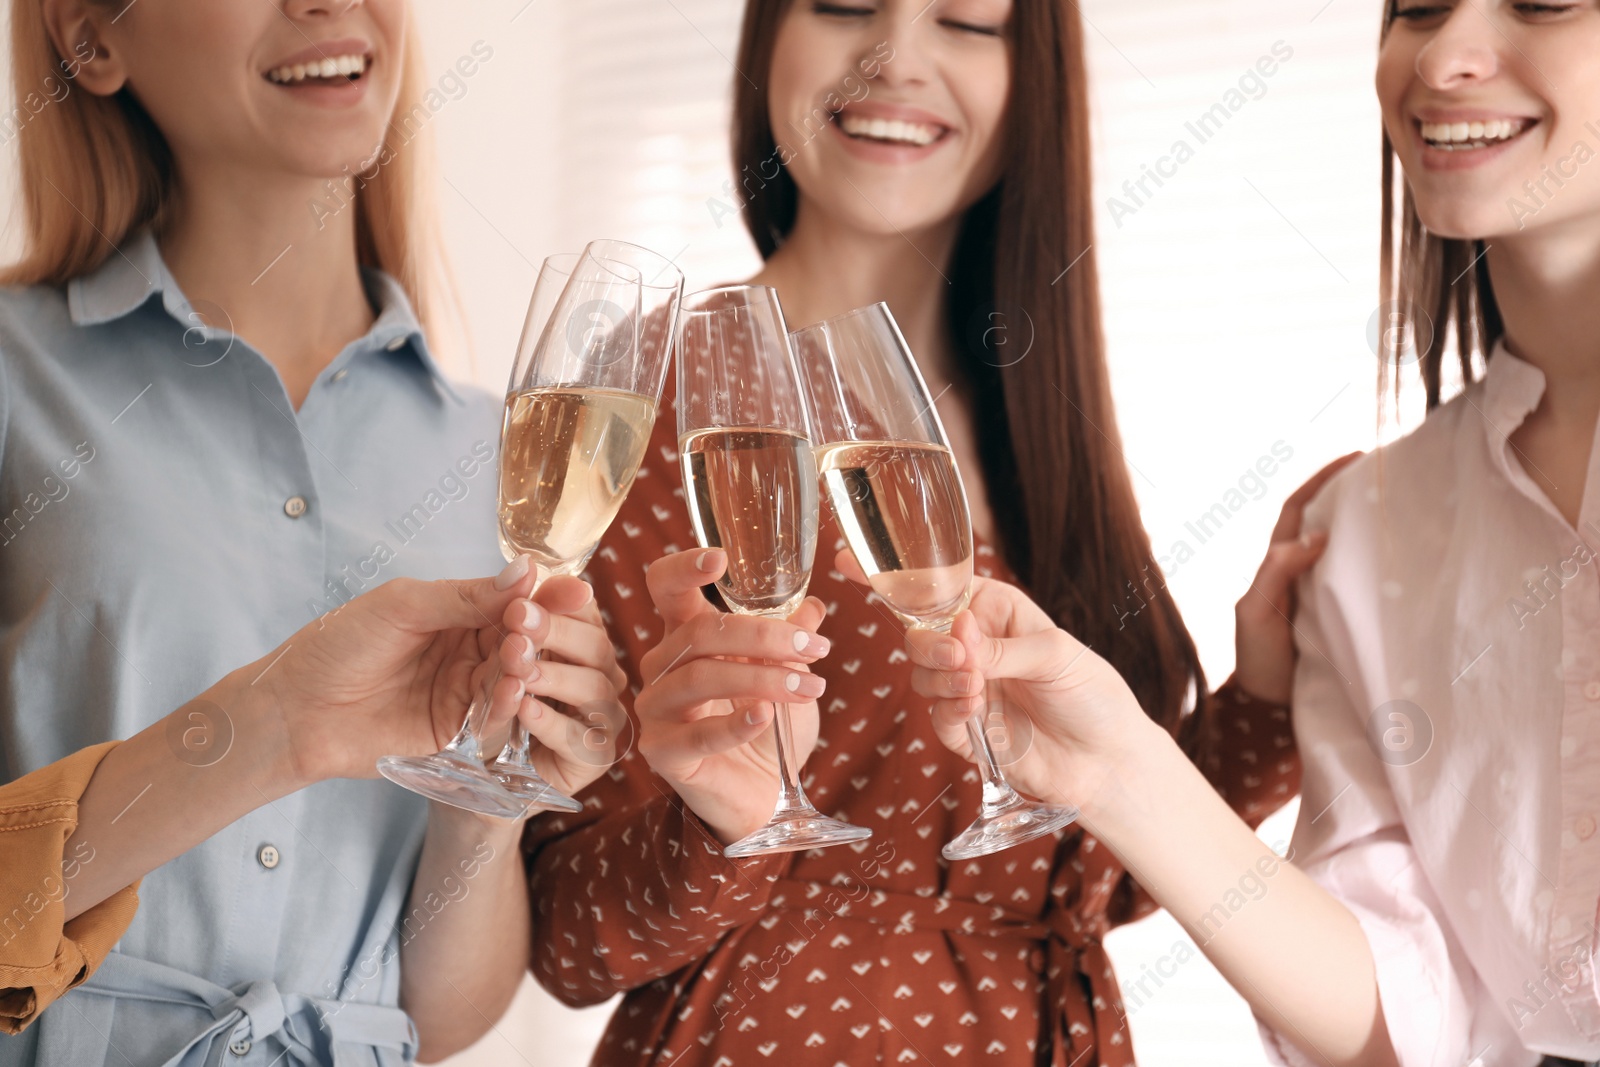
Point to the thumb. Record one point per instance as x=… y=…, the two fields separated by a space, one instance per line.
x=675 y=581
x=1041 y=656
x=455 y=603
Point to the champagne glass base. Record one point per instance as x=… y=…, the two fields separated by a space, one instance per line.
x=454 y=780
x=526 y=785
x=795 y=833
x=1008 y=824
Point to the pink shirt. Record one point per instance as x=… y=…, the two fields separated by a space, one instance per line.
x=1447 y=707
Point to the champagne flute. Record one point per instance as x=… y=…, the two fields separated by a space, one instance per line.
x=894 y=488
x=750 y=476
x=530 y=488
x=583 y=434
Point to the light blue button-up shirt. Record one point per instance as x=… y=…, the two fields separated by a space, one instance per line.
x=166 y=516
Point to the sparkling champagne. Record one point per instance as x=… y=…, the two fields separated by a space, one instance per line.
x=753 y=493
x=569 y=457
x=904 y=514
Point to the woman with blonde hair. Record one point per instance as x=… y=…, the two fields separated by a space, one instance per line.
x=221 y=423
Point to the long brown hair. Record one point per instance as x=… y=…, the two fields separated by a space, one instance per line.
x=1435 y=290
x=1048 y=441
x=94 y=169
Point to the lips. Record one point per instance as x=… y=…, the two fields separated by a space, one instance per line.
x=890 y=131
x=1477 y=133
x=325 y=63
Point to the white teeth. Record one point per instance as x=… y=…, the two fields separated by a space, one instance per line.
x=1453 y=136
x=896 y=130
x=332 y=67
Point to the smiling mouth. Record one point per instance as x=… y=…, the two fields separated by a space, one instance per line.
x=1467 y=136
x=333 y=70
x=889 y=131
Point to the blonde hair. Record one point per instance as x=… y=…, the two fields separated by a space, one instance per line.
x=95 y=169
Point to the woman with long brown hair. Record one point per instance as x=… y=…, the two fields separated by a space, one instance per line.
x=220 y=422
x=1440 y=907
x=934 y=156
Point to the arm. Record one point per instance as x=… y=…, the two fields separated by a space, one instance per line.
x=644 y=889
x=1244 y=742
x=635 y=895
x=389 y=672
x=1296 y=953
x=461 y=961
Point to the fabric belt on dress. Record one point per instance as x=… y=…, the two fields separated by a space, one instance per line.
x=1557 y=1061
x=315 y=1032
x=1073 y=952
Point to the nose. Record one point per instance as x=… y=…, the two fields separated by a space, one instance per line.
x=900 y=43
x=304 y=9
x=1464 y=50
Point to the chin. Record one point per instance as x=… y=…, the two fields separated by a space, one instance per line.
x=880 y=209
x=1468 y=222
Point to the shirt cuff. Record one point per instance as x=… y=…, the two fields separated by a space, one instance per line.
x=42 y=956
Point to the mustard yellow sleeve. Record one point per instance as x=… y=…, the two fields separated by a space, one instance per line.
x=41 y=956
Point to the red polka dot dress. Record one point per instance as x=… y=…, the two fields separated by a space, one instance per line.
x=875 y=953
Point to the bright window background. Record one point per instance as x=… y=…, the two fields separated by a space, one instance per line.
x=1237 y=294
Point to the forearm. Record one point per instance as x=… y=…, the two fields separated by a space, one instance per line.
x=635 y=896
x=1290 y=948
x=171 y=786
x=465 y=934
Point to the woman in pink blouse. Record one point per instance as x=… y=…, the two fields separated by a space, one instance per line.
x=1447 y=702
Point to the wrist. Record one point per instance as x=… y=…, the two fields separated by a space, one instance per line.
x=468 y=827
x=249 y=720
x=1134 y=766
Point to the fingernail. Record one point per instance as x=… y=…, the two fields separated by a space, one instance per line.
x=512 y=574
x=756 y=715
x=806 y=685
x=961 y=683
x=709 y=560
x=527 y=650
x=531 y=615
x=944 y=654
x=811 y=644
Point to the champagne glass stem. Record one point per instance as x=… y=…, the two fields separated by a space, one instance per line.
x=997 y=792
x=1005 y=817
x=467 y=743
x=791 y=797
x=516 y=751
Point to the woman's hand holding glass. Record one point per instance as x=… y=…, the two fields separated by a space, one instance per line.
x=1071 y=719
x=705 y=712
x=395 y=669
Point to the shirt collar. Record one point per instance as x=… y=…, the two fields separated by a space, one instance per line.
x=136 y=272
x=1512 y=389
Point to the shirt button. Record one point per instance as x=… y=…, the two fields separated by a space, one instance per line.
x=340 y=375
x=1569 y=745
x=268 y=856
x=1591 y=691
x=1584 y=827
x=294 y=507
x=240 y=1047
x=397 y=344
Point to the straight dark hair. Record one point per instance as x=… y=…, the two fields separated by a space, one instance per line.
x=1052 y=459
x=1435 y=290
